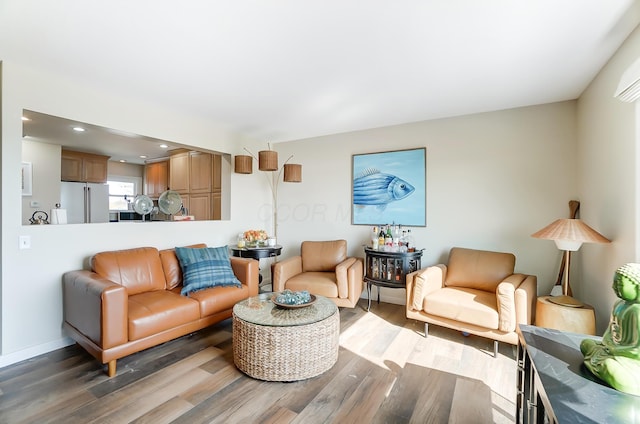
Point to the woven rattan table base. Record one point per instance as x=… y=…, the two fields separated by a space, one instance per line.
x=286 y=353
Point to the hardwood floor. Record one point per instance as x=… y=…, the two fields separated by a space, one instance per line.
x=387 y=372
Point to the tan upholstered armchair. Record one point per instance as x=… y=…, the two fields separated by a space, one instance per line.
x=324 y=269
x=477 y=293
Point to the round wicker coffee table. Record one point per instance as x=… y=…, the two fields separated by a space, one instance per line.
x=276 y=344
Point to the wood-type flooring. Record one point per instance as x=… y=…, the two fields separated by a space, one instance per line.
x=387 y=372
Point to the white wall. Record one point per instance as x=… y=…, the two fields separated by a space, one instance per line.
x=125 y=169
x=31 y=309
x=492 y=180
x=45 y=162
x=608 y=175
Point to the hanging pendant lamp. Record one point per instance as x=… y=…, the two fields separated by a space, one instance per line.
x=268 y=160
x=292 y=173
x=243 y=164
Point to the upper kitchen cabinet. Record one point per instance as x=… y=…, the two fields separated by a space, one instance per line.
x=200 y=172
x=83 y=167
x=179 y=171
x=198 y=177
x=156 y=178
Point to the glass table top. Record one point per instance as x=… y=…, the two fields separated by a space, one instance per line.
x=261 y=310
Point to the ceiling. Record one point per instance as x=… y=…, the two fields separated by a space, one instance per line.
x=288 y=69
x=118 y=145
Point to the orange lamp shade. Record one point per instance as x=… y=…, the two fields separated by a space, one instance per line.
x=243 y=164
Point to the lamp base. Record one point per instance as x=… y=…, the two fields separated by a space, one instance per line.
x=566 y=301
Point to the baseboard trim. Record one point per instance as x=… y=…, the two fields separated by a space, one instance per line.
x=387 y=295
x=24 y=354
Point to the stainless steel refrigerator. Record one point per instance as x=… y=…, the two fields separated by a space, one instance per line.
x=85 y=202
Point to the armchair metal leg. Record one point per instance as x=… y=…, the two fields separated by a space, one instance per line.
x=495 y=348
x=426 y=329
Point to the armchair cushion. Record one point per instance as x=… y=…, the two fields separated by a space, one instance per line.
x=478 y=269
x=322 y=256
x=322 y=283
x=479 y=306
x=204 y=268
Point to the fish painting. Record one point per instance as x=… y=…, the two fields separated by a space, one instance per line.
x=372 y=187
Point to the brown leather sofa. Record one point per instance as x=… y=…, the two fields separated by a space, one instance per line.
x=477 y=292
x=324 y=269
x=130 y=301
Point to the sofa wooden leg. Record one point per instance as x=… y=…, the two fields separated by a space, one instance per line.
x=426 y=329
x=111 y=368
x=495 y=348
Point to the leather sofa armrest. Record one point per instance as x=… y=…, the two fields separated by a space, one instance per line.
x=525 y=298
x=422 y=282
x=342 y=277
x=247 y=270
x=515 y=297
x=96 y=307
x=285 y=269
x=355 y=279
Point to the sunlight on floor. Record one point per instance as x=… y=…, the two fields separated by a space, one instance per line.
x=397 y=344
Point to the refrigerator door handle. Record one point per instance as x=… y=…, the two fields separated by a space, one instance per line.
x=88 y=204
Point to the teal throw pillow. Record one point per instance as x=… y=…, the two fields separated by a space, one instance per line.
x=203 y=268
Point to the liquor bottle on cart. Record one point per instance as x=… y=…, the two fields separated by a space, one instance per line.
x=374 y=238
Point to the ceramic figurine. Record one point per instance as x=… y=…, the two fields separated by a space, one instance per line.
x=616 y=359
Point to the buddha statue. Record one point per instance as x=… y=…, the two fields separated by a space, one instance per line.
x=616 y=359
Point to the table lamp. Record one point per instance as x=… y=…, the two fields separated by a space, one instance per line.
x=569 y=234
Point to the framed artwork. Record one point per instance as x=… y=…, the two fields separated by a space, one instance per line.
x=389 y=187
x=27 y=179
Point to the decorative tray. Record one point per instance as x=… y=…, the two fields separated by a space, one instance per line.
x=288 y=306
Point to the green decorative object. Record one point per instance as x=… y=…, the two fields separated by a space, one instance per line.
x=616 y=359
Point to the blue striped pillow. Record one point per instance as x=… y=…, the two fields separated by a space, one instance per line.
x=203 y=268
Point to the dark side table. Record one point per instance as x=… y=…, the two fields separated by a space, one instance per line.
x=388 y=269
x=554 y=386
x=257 y=253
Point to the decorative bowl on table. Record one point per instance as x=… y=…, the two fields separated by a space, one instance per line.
x=292 y=300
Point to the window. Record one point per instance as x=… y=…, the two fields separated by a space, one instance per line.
x=122 y=191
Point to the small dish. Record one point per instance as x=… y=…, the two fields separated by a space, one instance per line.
x=287 y=306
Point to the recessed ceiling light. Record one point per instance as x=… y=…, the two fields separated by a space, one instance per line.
x=122 y=160
x=164 y=146
x=78 y=129
x=143 y=156
x=24 y=118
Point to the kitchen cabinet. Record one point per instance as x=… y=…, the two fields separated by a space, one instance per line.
x=200 y=206
x=216 y=206
x=179 y=172
x=216 y=187
x=200 y=172
x=156 y=178
x=197 y=176
x=83 y=167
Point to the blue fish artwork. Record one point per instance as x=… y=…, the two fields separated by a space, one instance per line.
x=372 y=187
